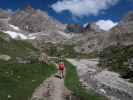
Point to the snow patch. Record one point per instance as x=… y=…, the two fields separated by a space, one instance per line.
x=15 y=35
x=66 y=35
x=31 y=37
x=102 y=91
x=14 y=27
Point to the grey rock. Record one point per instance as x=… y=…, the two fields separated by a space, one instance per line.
x=22 y=60
x=43 y=58
x=5 y=57
x=114 y=87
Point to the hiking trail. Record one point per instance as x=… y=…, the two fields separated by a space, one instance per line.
x=51 y=89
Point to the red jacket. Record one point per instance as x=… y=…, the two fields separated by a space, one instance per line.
x=61 y=66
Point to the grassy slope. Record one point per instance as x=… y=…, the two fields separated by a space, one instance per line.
x=15 y=48
x=72 y=83
x=19 y=80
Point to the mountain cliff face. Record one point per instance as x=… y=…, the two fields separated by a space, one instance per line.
x=117 y=52
x=4 y=18
x=5 y=13
x=95 y=39
x=92 y=27
x=75 y=28
x=122 y=34
x=44 y=29
x=32 y=20
x=34 y=23
x=89 y=40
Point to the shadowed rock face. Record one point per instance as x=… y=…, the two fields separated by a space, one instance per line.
x=5 y=14
x=76 y=28
x=92 y=27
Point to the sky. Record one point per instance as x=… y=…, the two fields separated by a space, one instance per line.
x=106 y=13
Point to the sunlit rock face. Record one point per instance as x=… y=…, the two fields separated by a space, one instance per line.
x=104 y=82
x=33 y=20
x=122 y=34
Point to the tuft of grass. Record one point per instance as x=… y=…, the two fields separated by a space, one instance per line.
x=18 y=81
x=73 y=84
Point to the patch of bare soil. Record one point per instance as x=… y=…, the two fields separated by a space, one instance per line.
x=51 y=89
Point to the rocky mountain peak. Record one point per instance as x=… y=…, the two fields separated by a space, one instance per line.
x=92 y=27
x=29 y=8
x=128 y=17
x=33 y=20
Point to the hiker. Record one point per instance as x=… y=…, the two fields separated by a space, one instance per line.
x=61 y=69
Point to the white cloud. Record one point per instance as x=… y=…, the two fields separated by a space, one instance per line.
x=106 y=24
x=83 y=7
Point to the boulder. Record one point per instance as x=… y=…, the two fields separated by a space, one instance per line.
x=22 y=60
x=5 y=57
x=43 y=58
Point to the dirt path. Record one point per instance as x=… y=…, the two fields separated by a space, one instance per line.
x=51 y=89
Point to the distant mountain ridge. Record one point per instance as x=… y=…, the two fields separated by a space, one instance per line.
x=42 y=28
x=33 y=20
x=34 y=23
